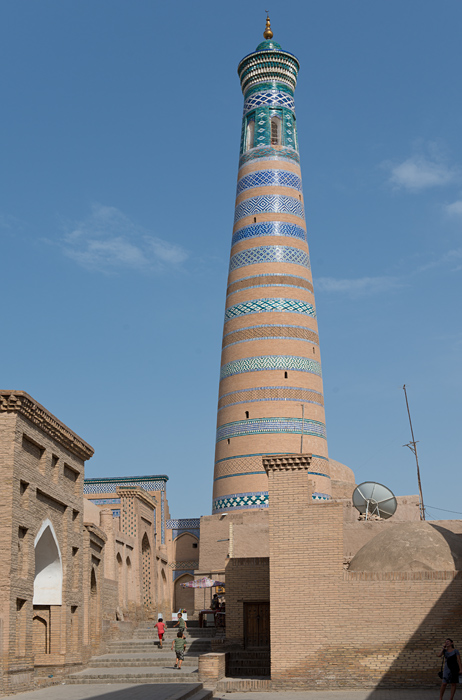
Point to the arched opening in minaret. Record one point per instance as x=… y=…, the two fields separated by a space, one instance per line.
x=275 y=131
x=250 y=134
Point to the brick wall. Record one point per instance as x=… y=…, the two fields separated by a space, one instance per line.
x=247 y=580
x=349 y=629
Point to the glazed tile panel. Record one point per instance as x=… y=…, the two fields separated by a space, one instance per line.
x=269 y=153
x=269 y=204
x=269 y=363
x=269 y=98
x=261 y=426
x=269 y=254
x=258 y=306
x=240 y=501
x=269 y=228
x=269 y=178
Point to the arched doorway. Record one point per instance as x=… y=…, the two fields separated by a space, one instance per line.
x=120 y=579
x=146 y=570
x=48 y=581
x=40 y=635
x=93 y=608
x=184 y=597
x=130 y=581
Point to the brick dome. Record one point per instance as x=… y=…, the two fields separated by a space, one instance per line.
x=414 y=546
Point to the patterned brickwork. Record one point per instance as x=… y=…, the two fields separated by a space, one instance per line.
x=269 y=178
x=262 y=426
x=148 y=483
x=269 y=228
x=270 y=331
x=270 y=362
x=269 y=204
x=268 y=280
x=259 y=306
x=252 y=464
x=269 y=254
x=271 y=393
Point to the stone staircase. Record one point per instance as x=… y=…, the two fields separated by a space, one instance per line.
x=140 y=660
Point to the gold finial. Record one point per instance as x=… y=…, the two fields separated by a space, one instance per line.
x=268 y=34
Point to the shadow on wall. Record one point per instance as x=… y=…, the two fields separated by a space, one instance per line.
x=443 y=620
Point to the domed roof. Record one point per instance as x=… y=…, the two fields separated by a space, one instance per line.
x=412 y=546
x=269 y=46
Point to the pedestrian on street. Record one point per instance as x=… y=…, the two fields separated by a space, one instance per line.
x=160 y=624
x=181 y=624
x=452 y=667
x=180 y=647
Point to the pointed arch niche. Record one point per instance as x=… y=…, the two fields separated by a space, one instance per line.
x=48 y=582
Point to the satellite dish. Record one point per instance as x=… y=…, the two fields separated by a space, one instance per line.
x=372 y=499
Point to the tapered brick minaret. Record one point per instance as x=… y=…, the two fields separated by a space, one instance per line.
x=270 y=398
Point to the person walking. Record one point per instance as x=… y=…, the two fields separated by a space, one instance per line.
x=160 y=624
x=452 y=667
x=180 y=647
x=181 y=624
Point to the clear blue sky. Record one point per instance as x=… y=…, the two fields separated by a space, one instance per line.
x=119 y=137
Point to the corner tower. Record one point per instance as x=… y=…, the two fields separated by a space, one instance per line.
x=270 y=396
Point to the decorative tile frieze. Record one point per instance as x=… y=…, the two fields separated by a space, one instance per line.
x=268 y=280
x=263 y=426
x=182 y=565
x=110 y=485
x=268 y=363
x=262 y=87
x=269 y=153
x=183 y=523
x=271 y=393
x=269 y=254
x=269 y=178
x=269 y=331
x=269 y=228
x=269 y=204
x=258 y=306
x=237 y=501
x=272 y=98
x=104 y=501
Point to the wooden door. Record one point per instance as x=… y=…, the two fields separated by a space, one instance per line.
x=256 y=625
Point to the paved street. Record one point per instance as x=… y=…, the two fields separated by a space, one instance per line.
x=171 y=691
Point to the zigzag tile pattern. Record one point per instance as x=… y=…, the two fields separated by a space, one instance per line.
x=269 y=178
x=271 y=98
x=269 y=228
x=238 y=501
x=270 y=362
x=269 y=254
x=258 y=306
x=269 y=204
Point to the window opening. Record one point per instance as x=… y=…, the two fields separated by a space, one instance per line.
x=286 y=375
x=250 y=135
x=246 y=414
x=275 y=131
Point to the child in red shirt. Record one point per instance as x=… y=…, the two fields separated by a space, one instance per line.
x=160 y=624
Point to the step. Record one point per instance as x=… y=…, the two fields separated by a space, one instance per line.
x=115 y=660
x=127 y=674
x=243 y=685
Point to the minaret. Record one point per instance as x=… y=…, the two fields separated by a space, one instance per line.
x=270 y=397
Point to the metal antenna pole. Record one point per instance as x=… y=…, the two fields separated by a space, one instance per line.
x=413 y=447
